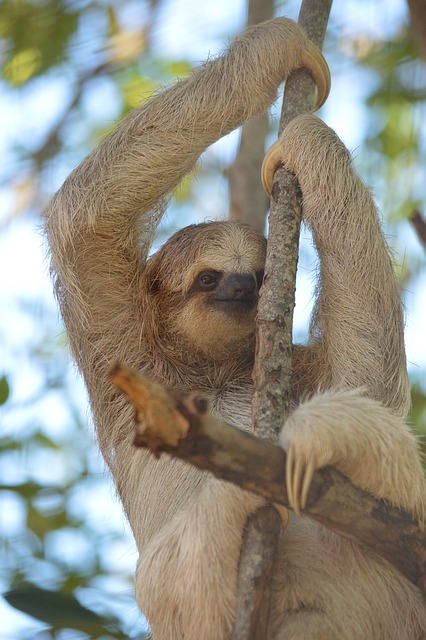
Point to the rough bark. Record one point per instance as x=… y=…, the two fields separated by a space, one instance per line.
x=272 y=370
x=259 y=547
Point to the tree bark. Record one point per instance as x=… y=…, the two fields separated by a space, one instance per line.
x=272 y=369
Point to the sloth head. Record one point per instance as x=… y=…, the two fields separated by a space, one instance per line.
x=203 y=285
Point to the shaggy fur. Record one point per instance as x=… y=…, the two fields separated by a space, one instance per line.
x=188 y=525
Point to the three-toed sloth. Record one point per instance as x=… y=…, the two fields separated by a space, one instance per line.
x=185 y=317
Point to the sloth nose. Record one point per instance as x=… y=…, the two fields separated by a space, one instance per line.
x=243 y=285
x=239 y=286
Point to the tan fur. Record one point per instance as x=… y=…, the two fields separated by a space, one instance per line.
x=187 y=525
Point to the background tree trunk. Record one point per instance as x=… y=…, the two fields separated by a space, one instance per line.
x=247 y=200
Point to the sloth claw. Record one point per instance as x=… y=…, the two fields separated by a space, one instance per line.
x=271 y=162
x=314 y=61
x=307 y=479
x=289 y=476
x=298 y=480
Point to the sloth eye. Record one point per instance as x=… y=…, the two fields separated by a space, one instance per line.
x=207 y=280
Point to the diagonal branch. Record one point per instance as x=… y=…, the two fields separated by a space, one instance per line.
x=179 y=424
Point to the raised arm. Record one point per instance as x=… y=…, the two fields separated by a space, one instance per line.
x=100 y=223
x=357 y=325
x=156 y=145
x=355 y=359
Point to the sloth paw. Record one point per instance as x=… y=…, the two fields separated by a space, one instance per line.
x=316 y=64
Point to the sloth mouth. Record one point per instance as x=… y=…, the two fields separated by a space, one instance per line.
x=235 y=306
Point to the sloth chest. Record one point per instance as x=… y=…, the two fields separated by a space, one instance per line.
x=233 y=404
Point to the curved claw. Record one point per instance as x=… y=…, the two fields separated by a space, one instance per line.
x=289 y=476
x=298 y=480
x=314 y=61
x=307 y=479
x=271 y=162
x=284 y=514
x=292 y=478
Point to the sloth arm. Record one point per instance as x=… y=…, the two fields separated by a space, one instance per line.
x=101 y=222
x=356 y=423
x=357 y=327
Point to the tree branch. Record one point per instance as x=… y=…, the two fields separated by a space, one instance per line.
x=417 y=10
x=419 y=225
x=248 y=202
x=179 y=424
x=272 y=369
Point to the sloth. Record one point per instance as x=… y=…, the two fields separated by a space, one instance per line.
x=185 y=317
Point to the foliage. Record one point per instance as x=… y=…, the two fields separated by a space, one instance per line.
x=397 y=139
x=4 y=390
x=32 y=51
x=57 y=557
x=58 y=609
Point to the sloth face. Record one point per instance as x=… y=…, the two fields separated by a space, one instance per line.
x=206 y=280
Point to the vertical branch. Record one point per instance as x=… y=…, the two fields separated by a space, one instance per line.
x=272 y=371
x=248 y=202
x=419 y=226
x=417 y=10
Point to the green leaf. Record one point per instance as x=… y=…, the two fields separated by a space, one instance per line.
x=4 y=390
x=22 y=66
x=136 y=90
x=58 y=609
x=113 y=24
x=180 y=68
x=41 y=524
x=37 y=36
x=418 y=409
x=184 y=190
